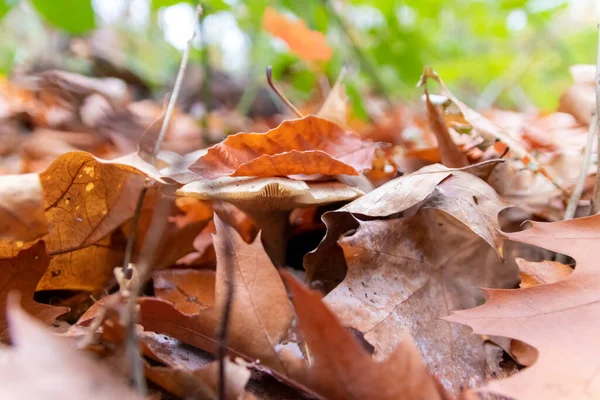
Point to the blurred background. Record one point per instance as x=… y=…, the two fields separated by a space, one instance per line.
x=508 y=53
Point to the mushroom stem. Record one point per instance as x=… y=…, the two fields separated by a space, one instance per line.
x=274 y=231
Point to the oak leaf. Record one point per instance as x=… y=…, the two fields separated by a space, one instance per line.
x=341 y=369
x=558 y=319
x=305 y=43
x=23 y=273
x=309 y=146
x=261 y=313
x=42 y=365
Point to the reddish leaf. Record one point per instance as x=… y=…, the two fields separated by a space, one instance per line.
x=22 y=273
x=309 y=146
x=307 y=44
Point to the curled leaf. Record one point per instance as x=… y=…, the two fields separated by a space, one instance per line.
x=308 y=146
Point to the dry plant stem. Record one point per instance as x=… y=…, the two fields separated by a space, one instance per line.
x=280 y=93
x=159 y=219
x=225 y=317
x=585 y=164
x=144 y=267
x=177 y=87
x=596 y=196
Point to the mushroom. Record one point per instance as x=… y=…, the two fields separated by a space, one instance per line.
x=268 y=201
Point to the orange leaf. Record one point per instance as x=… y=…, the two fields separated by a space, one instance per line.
x=559 y=319
x=22 y=274
x=305 y=43
x=309 y=145
x=342 y=369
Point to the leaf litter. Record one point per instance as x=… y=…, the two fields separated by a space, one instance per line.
x=357 y=258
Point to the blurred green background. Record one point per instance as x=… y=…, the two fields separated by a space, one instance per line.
x=507 y=53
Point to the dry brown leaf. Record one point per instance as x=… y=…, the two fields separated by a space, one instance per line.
x=309 y=146
x=558 y=319
x=202 y=383
x=403 y=275
x=491 y=132
x=579 y=100
x=22 y=208
x=451 y=156
x=189 y=290
x=305 y=43
x=85 y=199
x=86 y=269
x=193 y=211
x=22 y=273
x=538 y=273
x=458 y=193
x=261 y=313
x=335 y=106
x=44 y=366
x=341 y=369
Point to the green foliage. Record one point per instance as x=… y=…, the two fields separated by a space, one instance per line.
x=209 y=6
x=6 y=6
x=73 y=16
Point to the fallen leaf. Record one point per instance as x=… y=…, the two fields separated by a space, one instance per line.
x=458 y=193
x=341 y=369
x=193 y=211
x=492 y=132
x=309 y=146
x=305 y=43
x=579 y=100
x=403 y=275
x=190 y=291
x=22 y=210
x=89 y=268
x=558 y=318
x=261 y=313
x=202 y=383
x=85 y=199
x=538 y=273
x=335 y=106
x=451 y=156
x=22 y=273
x=42 y=365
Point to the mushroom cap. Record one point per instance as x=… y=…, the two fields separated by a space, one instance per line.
x=270 y=193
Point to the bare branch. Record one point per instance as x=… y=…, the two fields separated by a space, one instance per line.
x=225 y=317
x=280 y=93
x=159 y=220
x=595 y=206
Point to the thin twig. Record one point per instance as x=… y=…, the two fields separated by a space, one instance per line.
x=225 y=317
x=280 y=93
x=585 y=165
x=596 y=196
x=177 y=87
x=159 y=219
x=133 y=234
